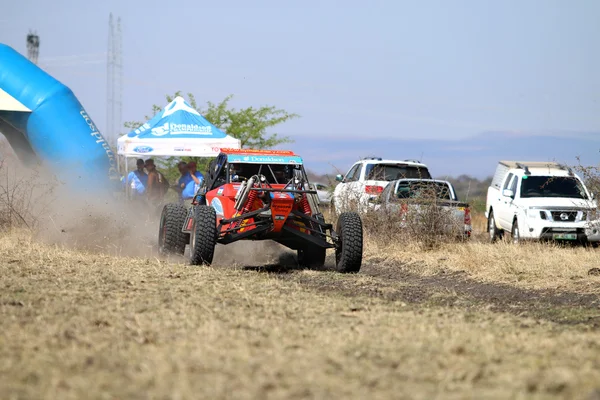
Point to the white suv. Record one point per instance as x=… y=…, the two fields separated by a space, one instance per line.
x=541 y=200
x=368 y=177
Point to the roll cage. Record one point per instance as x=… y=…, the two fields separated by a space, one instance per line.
x=221 y=172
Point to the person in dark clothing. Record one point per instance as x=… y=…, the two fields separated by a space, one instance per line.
x=157 y=183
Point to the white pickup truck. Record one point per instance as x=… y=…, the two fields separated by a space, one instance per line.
x=406 y=196
x=540 y=200
x=367 y=178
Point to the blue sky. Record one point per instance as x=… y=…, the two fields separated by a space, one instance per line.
x=387 y=75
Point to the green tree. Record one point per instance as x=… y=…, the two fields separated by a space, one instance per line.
x=250 y=125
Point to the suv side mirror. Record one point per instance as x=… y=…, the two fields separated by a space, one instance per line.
x=593 y=195
x=339 y=178
x=508 y=193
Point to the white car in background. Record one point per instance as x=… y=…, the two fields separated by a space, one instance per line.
x=541 y=201
x=323 y=192
x=367 y=178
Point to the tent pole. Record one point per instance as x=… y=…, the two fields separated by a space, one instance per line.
x=127 y=188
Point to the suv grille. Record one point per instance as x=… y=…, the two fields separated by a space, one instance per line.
x=564 y=216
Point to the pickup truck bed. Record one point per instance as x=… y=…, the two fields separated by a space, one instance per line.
x=413 y=195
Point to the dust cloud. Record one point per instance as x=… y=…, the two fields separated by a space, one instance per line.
x=248 y=253
x=101 y=223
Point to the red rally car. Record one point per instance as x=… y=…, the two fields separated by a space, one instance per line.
x=260 y=195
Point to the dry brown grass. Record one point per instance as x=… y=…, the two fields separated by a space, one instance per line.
x=533 y=265
x=75 y=325
x=529 y=265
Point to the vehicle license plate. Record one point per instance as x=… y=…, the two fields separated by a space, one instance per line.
x=565 y=236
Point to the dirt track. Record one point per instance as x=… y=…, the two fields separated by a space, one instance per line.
x=396 y=282
x=81 y=325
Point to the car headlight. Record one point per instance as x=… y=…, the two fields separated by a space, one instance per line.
x=532 y=213
x=536 y=213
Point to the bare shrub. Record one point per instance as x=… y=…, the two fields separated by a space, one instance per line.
x=422 y=221
x=24 y=195
x=591 y=177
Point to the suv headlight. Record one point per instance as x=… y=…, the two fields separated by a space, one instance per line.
x=536 y=213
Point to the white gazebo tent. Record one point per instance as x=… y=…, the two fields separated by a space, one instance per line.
x=177 y=131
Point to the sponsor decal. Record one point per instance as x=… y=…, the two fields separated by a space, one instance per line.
x=264 y=159
x=189 y=129
x=181 y=149
x=143 y=149
x=281 y=195
x=161 y=130
x=279 y=217
x=216 y=204
x=258 y=152
x=220 y=191
x=142 y=128
x=281 y=207
x=113 y=173
x=181 y=129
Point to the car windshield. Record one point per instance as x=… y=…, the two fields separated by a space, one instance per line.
x=423 y=190
x=552 y=186
x=274 y=173
x=390 y=172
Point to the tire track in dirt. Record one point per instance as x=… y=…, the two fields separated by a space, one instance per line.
x=395 y=282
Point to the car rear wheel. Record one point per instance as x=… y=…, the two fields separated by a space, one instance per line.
x=171 y=240
x=516 y=234
x=203 y=238
x=349 y=249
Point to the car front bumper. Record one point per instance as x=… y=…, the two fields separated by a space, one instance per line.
x=546 y=230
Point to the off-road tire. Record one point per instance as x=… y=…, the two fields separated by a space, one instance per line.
x=349 y=249
x=493 y=232
x=516 y=233
x=312 y=257
x=203 y=238
x=171 y=240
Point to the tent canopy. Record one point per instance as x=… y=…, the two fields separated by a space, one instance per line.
x=178 y=131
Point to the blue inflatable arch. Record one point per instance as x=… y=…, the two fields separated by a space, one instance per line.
x=43 y=121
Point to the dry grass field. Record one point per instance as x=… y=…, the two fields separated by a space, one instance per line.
x=466 y=320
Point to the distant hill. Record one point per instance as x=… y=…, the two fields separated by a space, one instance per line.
x=475 y=156
x=471 y=190
x=468 y=187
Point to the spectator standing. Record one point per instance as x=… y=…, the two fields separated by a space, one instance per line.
x=184 y=178
x=192 y=186
x=157 y=183
x=137 y=181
